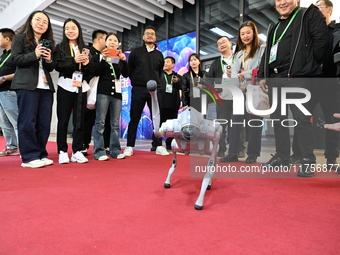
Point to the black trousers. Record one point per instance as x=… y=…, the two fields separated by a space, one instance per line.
x=139 y=96
x=303 y=128
x=224 y=112
x=326 y=92
x=66 y=102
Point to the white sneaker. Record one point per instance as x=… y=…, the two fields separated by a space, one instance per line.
x=47 y=161
x=128 y=151
x=79 y=157
x=34 y=164
x=63 y=158
x=121 y=156
x=103 y=158
x=161 y=150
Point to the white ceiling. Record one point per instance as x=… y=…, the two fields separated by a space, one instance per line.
x=109 y=15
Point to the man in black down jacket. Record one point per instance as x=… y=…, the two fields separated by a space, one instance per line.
x=295 y=50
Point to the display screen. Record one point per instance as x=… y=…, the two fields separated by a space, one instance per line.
x=180 y=48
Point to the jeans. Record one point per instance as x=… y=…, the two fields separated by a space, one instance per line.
x=103 y=104
x=34 y=121
x=9 y=118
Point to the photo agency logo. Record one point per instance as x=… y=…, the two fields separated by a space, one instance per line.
x=240 y=105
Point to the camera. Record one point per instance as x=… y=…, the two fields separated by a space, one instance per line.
x=46 y=43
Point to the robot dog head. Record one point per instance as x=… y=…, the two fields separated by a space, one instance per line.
x=190 y=132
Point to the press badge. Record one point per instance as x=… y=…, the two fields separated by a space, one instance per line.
x=77 y=78
x=225 y=79
x=196 y=92
x=168 y=88
x=273 y=52
x=118 y=86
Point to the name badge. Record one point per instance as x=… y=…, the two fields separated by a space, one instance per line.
x=168 y=88
x=196 y=92
x=273 y=52
x=77 y=78
x=118 y=86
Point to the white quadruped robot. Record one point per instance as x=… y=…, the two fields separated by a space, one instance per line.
x=192 y=134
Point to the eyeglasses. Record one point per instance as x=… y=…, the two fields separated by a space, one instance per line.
x=222 y=42
x=148 y=33
x=44 y=22
x=322 y=6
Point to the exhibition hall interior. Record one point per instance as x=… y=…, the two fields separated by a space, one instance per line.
x=127 y=206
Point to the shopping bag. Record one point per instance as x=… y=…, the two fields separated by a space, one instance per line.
x=92 y=93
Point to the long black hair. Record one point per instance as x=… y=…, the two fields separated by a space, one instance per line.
x=30 y=39
x=64 y=45
x=200 y=72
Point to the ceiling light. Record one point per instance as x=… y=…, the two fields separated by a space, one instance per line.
x=221 y=32
x=56 y=22
x=203 y=53
x=161 y=2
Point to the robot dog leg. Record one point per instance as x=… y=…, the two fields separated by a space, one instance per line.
x=191 y=133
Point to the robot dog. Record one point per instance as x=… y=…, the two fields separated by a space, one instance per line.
x=191 y=133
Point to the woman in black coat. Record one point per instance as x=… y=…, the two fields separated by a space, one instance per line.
x=32 y=54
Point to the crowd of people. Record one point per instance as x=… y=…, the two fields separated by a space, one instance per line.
x=299 y=50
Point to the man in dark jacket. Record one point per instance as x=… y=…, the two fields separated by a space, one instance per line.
x=8 y=98
x=326 y=90
x=296 y=47
x=145 y=63
x=170 y=89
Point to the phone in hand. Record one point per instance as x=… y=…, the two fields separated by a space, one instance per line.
x=113 y=53
x=86 y=51
x=46 y=43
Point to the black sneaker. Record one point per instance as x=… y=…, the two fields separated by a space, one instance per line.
x=295 y=159
x=306 y=170
x=229 y=158
x=332 y=164
x=221 y=154
x=275 y=161
x=153 y=148
x=251 y=160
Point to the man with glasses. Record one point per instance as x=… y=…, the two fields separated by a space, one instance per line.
x=220 y=72
x=98 y=44
x=145 y=63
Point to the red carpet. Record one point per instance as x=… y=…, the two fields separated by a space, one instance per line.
x=121 y=207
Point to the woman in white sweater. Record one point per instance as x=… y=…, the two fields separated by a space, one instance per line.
x=247 y=57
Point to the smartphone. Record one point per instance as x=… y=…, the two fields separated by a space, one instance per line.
x=112 y=53
x=86 y=51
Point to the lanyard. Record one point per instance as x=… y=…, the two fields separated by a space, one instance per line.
x=192 y=79
x=166 y=78
x=284 y=32
x=3 y=62
x=222 y=65
x=113 y=71
x=244 y=63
